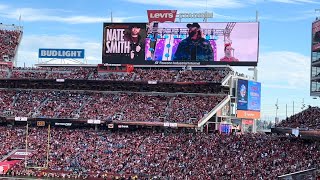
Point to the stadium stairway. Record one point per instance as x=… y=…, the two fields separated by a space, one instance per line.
x=9 y=74
x=48 y=74
x=213 y=111
x=177 y=77
x=57 y=114
x=86 y=101
x=15 y=98
x=90 y=76
x=133 y=77
x=8 y=155
x=169 y=107
x=36 y=111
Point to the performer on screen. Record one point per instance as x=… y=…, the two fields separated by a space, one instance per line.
x=228 y=55
x=195 y=47
x=136 y=44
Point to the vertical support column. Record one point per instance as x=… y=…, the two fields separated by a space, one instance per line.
x=25 y=157
x=48 y=146
x=255 y=73
x=254 y=126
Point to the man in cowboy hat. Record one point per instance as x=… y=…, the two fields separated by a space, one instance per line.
x=195 y=47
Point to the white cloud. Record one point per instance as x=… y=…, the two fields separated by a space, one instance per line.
x=28 y=52
x=192 y=3
x=284 y=75
x=283 y=69
x=54 y=15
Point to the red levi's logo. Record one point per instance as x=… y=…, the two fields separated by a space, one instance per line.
x=162 y=15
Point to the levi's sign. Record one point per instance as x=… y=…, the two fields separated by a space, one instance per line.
x=162 y=15
x=62 y=53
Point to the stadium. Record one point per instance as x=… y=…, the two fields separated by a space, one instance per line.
x=164 y=103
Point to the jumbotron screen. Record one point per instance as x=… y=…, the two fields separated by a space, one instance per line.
x=316 y=36
x=249 y=95
x=230 y=43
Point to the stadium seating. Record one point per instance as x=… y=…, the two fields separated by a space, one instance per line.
x=107 y=106
x=9 y=41
x=202 y=76
x=309 y=118
x=52 y=73
x=3 y=74
x=84 y=152
x=139 y=75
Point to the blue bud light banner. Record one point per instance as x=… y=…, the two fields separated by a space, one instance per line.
x=62 y=53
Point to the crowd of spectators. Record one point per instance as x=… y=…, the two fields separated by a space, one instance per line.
x=140 y=75
x=190 y=109
x=150 y=108
x=103 y=106
x=202 y=76
x=115 y=76
x=3 y=74
x=9 y=40
x=7 y=98
x=73 y=73
x=26 y=102
x=84 y=152
x=309 y=118
x=62 y=105
x=159 y=75
x=181 y=108
x=51 y=73
x=29 y=74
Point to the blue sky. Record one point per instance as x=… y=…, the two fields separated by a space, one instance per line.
x=285 y=35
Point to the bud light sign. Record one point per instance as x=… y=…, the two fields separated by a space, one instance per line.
x=62 y=53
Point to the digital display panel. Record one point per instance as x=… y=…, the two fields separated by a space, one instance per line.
x=249 y=95
x=232 y=43
x=316 y=36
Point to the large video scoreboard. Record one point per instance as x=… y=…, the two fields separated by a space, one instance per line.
x=315 y=59
x=233 y=43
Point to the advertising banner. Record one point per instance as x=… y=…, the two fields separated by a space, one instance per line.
x=161 y=15
x=254 y=93
x=230 y=43
x=61 y=53
x=242 y=94
x=6 y=165
x=124 y=43
x=248 y=114
x=248 y=95
x=247 y=121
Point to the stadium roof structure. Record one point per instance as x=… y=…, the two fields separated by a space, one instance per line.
x=62 y=61
x=219 y=31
